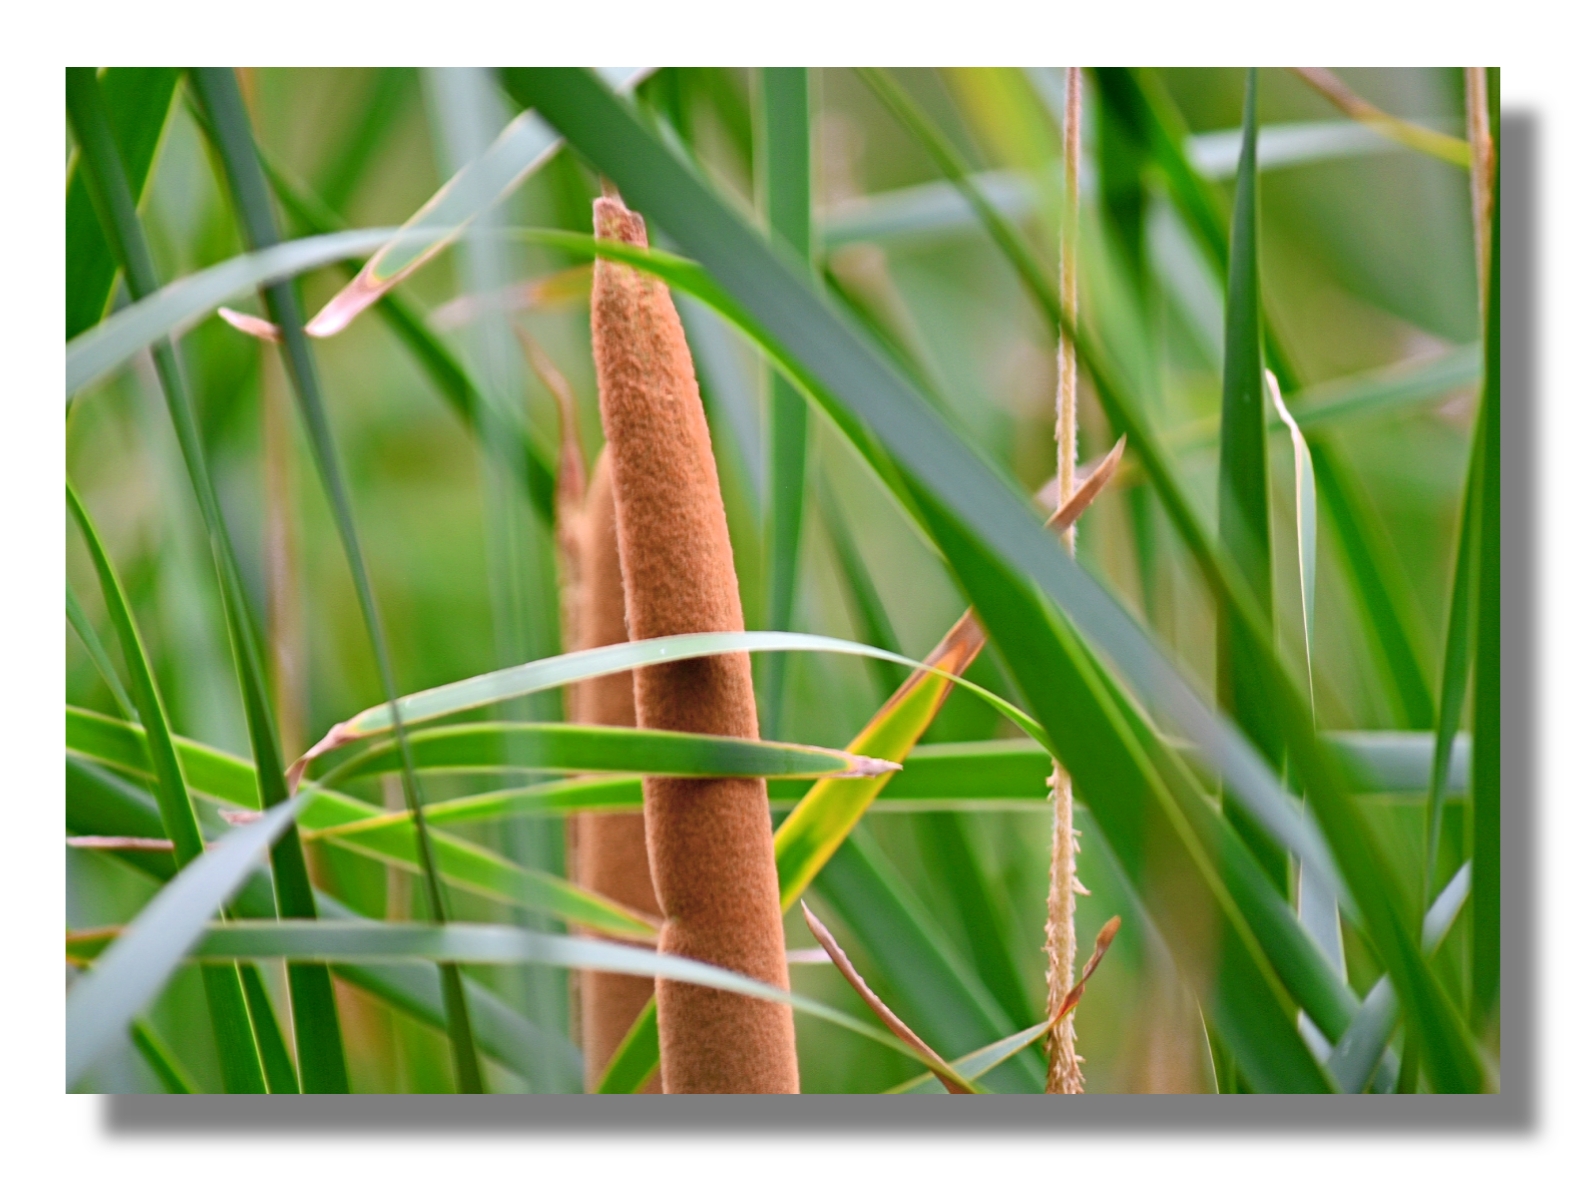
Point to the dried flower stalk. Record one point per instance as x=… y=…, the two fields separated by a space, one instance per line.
x=709 y=842
x=1063 y=1063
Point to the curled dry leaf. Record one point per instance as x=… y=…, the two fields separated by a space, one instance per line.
x=1104 y=939
x=252 y=326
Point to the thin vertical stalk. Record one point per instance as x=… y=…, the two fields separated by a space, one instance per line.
x=1482 y=163
x=101 y=658
x=1244 y=515
x=1486 y=776
x=1063 y=1063
x=283 y=604
x=312 y=998
x=786 y=200
x=219 y=95
x=467 y=113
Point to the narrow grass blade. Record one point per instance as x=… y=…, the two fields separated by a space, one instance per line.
x=806 y=840
x=138 y=102
x=172 y=1075
x=98 y=802
x=786 y=200
x=636 y=1058
x=947 y=843
x=278 y=1070
x=973 y=1065
x=1458 y=646
x=1150 y=114
x=1486 y=782
x=312 y=998
x=1137 y=100
x=96 y=651
x=1390 y=390
x=1390 y=615
x=521 y=149
x=232 y=138
x=111 y=343
x=384 y=101
x=465 y=865
x=531 y=746
x=353 y=942
x=238 y=1053
x=1356 y=1058
x=935 y=209
x=175 y=809
x=1244 y=527
x=822 y=350
x=868 y=607
x=952 y=1081
x=972 y=776
x=1411 y=135
x=1147 y=817
x=95 y=800
x=502 y=1033
x=1304 y=529
x=1246 y=775
x=131 y=972
x=548 y=673
x=919 y=969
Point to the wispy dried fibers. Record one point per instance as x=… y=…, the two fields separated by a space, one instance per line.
x=710 y=842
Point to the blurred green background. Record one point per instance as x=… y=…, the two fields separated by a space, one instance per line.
x=1367 y=263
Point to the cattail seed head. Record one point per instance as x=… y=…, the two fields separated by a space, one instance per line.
x=710 y=842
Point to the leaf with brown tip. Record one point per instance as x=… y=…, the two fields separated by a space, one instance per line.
x=1095 y=482
x=946 y=1073
x=1423 y=139
x=1104 y=939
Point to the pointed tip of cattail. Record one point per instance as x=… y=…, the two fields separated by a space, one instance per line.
x=612 y=219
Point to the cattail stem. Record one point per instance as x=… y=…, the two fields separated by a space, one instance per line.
x=1063 y=1064
x=709 y=842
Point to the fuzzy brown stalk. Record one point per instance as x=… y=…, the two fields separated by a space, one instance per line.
x=603 y=851
x=1063 y=1063
x=611 y=849
x=709 y=842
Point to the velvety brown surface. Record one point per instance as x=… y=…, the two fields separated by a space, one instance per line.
x=611 y=849
x=710 y=842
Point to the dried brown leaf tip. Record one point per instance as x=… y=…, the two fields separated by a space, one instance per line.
x=1066 y=514
x=252 y=326
x=1104 y=940
x=952 y=1081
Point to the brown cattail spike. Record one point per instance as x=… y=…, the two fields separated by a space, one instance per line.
x=710 y=842
x=611 y=849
